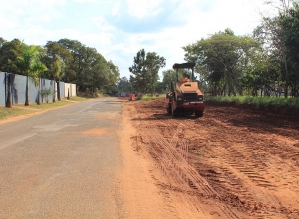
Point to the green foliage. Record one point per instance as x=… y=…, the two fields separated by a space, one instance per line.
x=66 y=60
x=9 y=53
x=27 y=59
x=92 y=69
x=153 y=65
x=221 y=59
x=289 y=34
x=140 y=78
x=160 y=88
x=278 y=36
x=45 y=93
x=170 y=76
x=259 y=102
x=147 y=97
x=28 y=62
x=124 y=86
x=145 y=70
x=262 y=74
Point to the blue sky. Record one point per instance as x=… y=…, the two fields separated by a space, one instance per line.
x=118 y=29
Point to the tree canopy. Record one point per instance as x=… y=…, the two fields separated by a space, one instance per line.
x=66 y=60
x=221 y=58
x=145 y=70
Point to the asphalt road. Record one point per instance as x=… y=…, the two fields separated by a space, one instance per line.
x=62 y=163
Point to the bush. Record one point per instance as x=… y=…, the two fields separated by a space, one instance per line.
x=258 y=102
x=45 y=93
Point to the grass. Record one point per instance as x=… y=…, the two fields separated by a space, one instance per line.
x=258 y=101
x=149 y=97
x=20 y=109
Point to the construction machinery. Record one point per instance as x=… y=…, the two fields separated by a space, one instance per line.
x=184 y=97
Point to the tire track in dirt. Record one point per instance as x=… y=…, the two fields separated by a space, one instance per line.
x=171 y=155
x=240 y=164
x=245 y=161
x=140 y=197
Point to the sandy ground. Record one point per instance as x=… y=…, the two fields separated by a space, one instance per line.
x=231 y=163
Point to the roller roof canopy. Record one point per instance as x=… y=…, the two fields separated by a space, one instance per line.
x=183 y=65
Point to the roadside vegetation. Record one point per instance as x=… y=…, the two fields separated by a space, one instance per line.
x=262 y=64
x=20 y=109
x=64 y=60
x=149 y=97
x=274 y=103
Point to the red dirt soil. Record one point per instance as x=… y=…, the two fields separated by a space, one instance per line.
x=231 y=163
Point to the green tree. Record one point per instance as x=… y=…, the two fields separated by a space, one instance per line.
x=159 y=87
x=140 y=78
x=289 y=33
x=58 y=69
x=26 y=63
x=9 y=53
x=37 y=70
x=153 y=64
x=2 y=42
x=222 y=57
x=58 y=61
x=170 y=76
x=110 y=88
x=145 y=70
x=263 y=73
x=93 y=72
x=79 y=63
x=269 y=35
x=124 y=86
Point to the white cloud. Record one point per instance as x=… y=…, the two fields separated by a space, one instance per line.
x=120 y=28
x=84 y=1
x=241 y=16
x=102 y=24
x=116 y=8
x=144 y=8
x=15 y=13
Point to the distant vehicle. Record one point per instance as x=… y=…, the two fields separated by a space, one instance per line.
x=132 y=97
x=184 y=97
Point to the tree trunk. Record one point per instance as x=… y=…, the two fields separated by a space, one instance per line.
x=68 y=93
x=27 y=91
x=38 y=94
x=58 y=91
x=287 y=79
x=8 y=100
x=296 y=89
x=54 y=99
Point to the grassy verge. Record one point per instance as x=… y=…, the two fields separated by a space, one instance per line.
x=149 y=97
x=258 y=102
x=20 y=109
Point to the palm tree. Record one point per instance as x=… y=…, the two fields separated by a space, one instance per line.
x=37 y=69
x=58 y=69
x=60 y=75
x=26 y=62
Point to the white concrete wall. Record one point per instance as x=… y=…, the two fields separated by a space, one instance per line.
x=70 y=88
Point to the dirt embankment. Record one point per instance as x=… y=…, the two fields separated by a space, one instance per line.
x=231 y=163
x=262 y=109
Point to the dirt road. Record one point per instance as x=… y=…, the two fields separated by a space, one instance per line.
x=231 y=163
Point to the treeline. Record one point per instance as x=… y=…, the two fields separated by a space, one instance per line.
x=64 y=60
x=145 y=78
x=265 y=63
